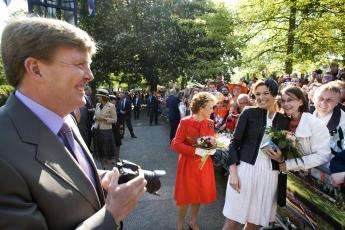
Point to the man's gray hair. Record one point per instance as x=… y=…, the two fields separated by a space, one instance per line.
x=243 y=96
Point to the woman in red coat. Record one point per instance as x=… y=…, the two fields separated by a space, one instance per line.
x=194 y=185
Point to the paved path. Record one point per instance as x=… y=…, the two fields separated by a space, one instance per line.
x=151 y=151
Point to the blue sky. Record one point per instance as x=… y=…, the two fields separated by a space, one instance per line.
x=5 y=11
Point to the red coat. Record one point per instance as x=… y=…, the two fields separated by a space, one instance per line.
x=193 y=186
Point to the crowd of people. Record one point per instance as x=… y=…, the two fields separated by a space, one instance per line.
x=311 y=109
x=47 y=170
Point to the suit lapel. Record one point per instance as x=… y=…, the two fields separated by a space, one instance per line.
x=50 y=152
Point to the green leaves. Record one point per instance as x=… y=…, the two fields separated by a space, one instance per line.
x=289 y=35
x=162 y=40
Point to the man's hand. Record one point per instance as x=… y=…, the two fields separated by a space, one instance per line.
x=105 y=181
x=122 y=199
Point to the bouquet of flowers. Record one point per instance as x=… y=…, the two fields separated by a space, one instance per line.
x=287 y=142
x=209 y=143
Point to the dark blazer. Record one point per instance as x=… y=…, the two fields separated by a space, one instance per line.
x=154 y=103
x=42 y=187
x=250 y=128
x=127 y=108
x=86 y=120
x=172 y=104
x=136 y=104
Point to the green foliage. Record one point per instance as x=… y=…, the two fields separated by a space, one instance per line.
x=5 y=89
x=286 y=35
x=212 y=46
x=160 y=41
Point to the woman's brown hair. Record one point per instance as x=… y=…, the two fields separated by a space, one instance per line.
x=296 y=92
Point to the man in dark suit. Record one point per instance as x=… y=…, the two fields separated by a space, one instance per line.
x=84 y=118
x=136 y=105
x=148 y=99
x=124 y=108
x=154 y=104
x=48 y=177
x=172 y=103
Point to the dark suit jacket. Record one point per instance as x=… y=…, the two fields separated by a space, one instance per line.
x=41 y=186
x=250 y=128
x=86 y=120
x=172 y=103
x=127 y=108
x=136 y=104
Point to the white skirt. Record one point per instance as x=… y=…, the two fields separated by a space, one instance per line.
x=257 y=201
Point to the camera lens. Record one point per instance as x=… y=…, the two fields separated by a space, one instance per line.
x=129 y=170
x=152 y=178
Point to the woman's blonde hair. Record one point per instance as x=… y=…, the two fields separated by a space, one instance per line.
x=200 y=100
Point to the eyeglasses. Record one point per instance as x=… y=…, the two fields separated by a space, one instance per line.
x=288 y=101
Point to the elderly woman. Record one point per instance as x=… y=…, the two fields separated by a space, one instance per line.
x=194 y=185
x=251 y=194
x=311 y=133
x=328 y=110
x=105 y=117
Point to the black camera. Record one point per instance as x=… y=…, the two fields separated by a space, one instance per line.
x=129 y=170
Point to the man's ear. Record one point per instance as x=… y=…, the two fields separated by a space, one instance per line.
x=31 y=66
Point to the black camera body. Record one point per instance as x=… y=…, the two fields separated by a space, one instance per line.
x=129 y=170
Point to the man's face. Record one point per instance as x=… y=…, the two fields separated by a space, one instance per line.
x=88 y=91
x=334 y=68
x=326 y=101
x=62 y=81
x=243 y=102
x=237 y=90
x=225 y=91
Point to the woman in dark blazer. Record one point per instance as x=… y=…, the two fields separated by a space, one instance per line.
x=251 y=196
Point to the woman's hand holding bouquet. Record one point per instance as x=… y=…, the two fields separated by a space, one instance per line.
x=282 y=146
x=206 y=146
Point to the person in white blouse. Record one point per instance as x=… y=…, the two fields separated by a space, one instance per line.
x=327 y=109
x=311 y=133
x=182 y=106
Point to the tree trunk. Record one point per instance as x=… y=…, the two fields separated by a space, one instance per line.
x=153 y=82
x=291 y=37
x=183 y=82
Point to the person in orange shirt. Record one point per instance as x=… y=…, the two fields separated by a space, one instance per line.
x=243 y=100
x=220 y=113
x=194 y=185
